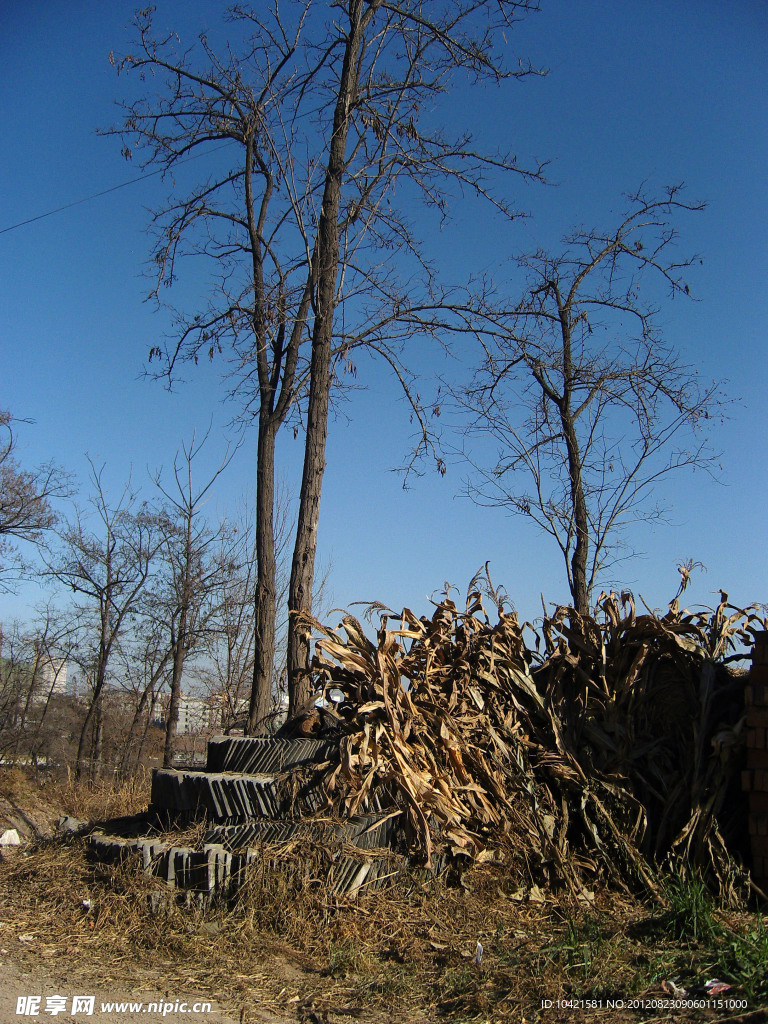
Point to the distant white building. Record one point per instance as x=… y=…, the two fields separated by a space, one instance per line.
x=194 y=714
x=51 y=679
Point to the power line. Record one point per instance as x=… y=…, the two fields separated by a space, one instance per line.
x=97 y=195
x=77 y=202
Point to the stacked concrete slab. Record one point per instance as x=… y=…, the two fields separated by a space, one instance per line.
x=260 y=755
x=365 y=831
x=253 y=792
x=231 y=796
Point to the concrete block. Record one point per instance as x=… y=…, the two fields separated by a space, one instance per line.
x=220 y=796
x=265 y=755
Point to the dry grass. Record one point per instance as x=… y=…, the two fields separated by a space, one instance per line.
x=44 y=797
x=285 y=943
x=104 y=798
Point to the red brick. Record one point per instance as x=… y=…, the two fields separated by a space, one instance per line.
x=758 y=824
x=757 y=691
x=758 y=758
x=755 y=739
x=758 y=803
x=760 y=648
x=757 y=717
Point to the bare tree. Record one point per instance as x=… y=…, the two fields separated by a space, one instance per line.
x=107 y=567
x=311 y=121
x=145 y=660
x=589 y=407
x=25 y=500
x=47 y=706
x=18 y=677
x=190 y=576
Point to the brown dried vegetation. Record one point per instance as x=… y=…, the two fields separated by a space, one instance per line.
x=612 y=752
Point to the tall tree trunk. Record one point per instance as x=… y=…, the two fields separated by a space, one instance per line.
x=303 y=563
x=89 y=718
x=98 y=738
x=141 y=706
x=31 y=690
x=266 y=584
x=80 y=758
x=145 y=732
x=327 y=266
x=578 y=580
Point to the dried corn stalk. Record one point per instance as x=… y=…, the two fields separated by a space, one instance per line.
x=598 y=760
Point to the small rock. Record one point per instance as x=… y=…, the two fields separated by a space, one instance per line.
x=69 y=825
x=10 y=838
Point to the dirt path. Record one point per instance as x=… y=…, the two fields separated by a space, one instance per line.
x=25 y=976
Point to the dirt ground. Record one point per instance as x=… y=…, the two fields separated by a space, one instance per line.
x=31 y=969
x=50 y=946
x=25 y=976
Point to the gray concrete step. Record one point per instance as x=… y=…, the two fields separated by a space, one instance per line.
x=215 y=871
x=255 y=792
x=212 y=869
x=266 y=755
x=365 y=831
x=232 y=797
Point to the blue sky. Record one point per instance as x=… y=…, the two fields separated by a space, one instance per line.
x=636 y=91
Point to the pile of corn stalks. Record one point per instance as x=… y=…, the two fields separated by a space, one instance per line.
x=600 y=757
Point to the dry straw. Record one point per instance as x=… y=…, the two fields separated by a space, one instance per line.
x=607 y=754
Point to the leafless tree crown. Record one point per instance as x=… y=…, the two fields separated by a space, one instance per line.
x=589 y=407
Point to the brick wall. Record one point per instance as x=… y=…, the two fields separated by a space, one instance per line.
x=755 y=778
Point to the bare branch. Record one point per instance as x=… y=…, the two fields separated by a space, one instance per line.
x=596 y=426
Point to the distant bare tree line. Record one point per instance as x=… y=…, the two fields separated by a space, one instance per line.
x=151 y=598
